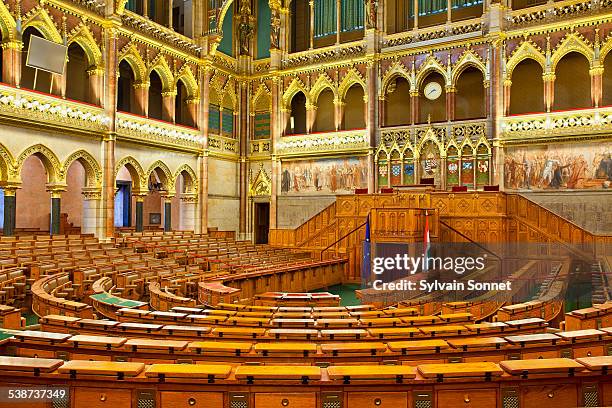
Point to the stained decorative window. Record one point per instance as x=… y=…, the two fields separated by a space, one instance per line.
x=427 y=7
x=213 y=118
x=228 y=123
x=262 y=125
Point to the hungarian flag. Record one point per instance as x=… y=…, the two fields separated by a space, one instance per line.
x=426 y=242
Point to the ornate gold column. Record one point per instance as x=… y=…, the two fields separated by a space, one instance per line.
x=338 y=113
x=141 y=97
x=311 y=114
x=11 y=62
x=549 y=90
x=414 y=106
x=106 y=228
x=450 y=103
x=168 y=98
x=202 y=218
x=596 y=85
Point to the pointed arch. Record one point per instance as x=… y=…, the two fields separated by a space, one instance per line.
x=165 y=172
x=262 y=92
x=396 y=70
x=7 y=165
x=527 y=50
x=130 y=54
x=47 y=157
x=572 y=42
x=295 y=87
x=189 y=81
x=40 y=19
x=7 y=23
x=605 y=49
x=160 y=65
x=191 y=181
x=351 y=78
x=468 y=59
x=222 y=11
x=228 y=91
x=82 y=36
x=93 y=171
x=430 y=135
x=431 y=64
x=139 y=179
x=323 y=82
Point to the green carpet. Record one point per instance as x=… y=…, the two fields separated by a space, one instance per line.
x=346 y=293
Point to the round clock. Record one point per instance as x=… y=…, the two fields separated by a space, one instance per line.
x=432 y=91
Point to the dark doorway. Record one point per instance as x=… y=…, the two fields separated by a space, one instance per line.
x=262 y=222
x=123 y=204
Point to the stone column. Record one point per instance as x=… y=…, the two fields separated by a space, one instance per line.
x=450 y=103
x=276 y=122
x=91 y=221
x=414 y=106
x=381 y=110
x=244 y=142
x=312 y=24
x=11 y=62
x=141 y=98
x=549 y=90
x=596 y=85
x=96 y=83
x=507 y=96
x=168 y=113
x=56 y=207
x=167 y=213
x=338 y=113
x=311 y=114
x=193 y=107
x=202 y=197
x=109 y=95
x=276 y=169
x=10 y=209
x=187 y=217
x=139 y=212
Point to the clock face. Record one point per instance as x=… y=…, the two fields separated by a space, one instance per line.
x=432 y=91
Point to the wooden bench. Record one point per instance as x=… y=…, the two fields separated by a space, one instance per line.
x=477 y=343
x=391 y=332
x=239 y=332
x=303 y=334
x=152 y=345
x=32 y=365
x=372 y=348
x=418 y=346
x=305 y=349
x=220 y=347
x=485 y=370
x=351 y=334
x=600 y=363
x=104 y=342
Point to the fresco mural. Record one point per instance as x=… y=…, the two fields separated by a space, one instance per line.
x=327 y=176
x=557 y=167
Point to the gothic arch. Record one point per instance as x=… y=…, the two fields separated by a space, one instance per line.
x=430 y=135
x=130 y=54
x=322 y=83
x=224 y=7
x=7 y=23
x=47 y=157
x=605 y=49
x=295 y=87
x=527 y=50
x=7 y=165
x=468 y=59
x=396 y=71
x=160 y=65
x=262 y=91
x=191 y=181
x=165 y=171
x=572 y=42
x=431 y=64
x=93 y=171
x=350 y=79
x=82 y=36
x=40 y=19
x=189 y=80
x=139 y=179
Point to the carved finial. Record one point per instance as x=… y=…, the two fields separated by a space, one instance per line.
x=64 y=29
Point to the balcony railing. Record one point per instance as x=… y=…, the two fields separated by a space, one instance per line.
x=223 y=145
x=582 y=121
x=549 y=12
x=343 y=141
x=472 y=26
x=445 y=131
x=260 y=147
x=325 y=54
x=158 y=132
x=50 y=110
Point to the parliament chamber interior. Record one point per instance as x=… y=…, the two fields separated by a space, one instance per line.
x=305 y=204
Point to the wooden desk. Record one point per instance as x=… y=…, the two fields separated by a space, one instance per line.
x=381 y=322
x=458 y=370
x=441 y=330
x=420 y=320
x=403 y=311
x=303 y=373
x=477 y=342
x=100 y=341
x=325 y=323
x=186 y=310
x=373 y=348
x=248 y=321
x=209 y=372
x=61 y=320
x=139 y=327
x=35 y=365
x=206 y=319
x=391 y=332
x=293 y=333
x=303 y=309
x=172 y=316
x=582 y=335
x=169 y=346
x=540 y=366
x=602 y=363
x=344 y=334
x=429 y=346
x=369 y=372
x=293 y=322
x=527 y=323
x=95 y=324
x=185 y=330
x=217 y=347
x=331 y=315
x=487 y=327
x=286 y=348
x=121 y=370
x=529 y=339
x=456 y=317
x=37 y=336
x=242 y=332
